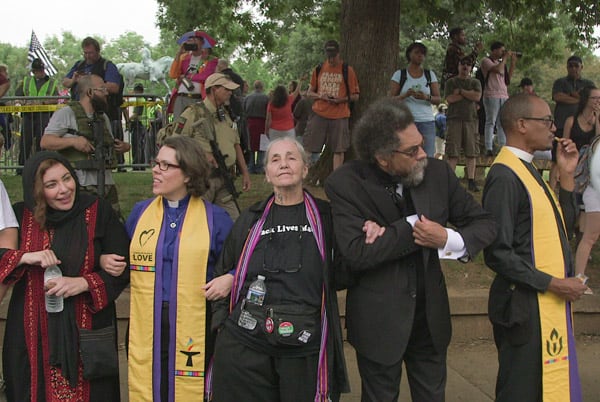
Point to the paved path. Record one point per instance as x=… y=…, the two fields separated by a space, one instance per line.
x=471 y=372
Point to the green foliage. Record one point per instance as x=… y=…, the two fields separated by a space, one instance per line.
x=17 y=63
x=280 y=40
x=65 y=50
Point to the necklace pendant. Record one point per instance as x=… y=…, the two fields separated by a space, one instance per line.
x=173 y=225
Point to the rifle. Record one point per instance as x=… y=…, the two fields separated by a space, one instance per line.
x=98 y=130
x=225 y=173
x=101 y=153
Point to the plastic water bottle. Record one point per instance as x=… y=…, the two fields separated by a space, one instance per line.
x=257 y=291
x=54 y=304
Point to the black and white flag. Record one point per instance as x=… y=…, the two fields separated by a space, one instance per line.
x=36 y=51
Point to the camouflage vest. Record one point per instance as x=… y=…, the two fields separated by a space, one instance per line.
x=85 y=129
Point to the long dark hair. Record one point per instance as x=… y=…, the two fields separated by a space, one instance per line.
x=584 y=97
x=280 y=96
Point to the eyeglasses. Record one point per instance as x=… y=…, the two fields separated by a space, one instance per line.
x=163 y=165
x=101 y=89
x=411 y=152
x=548 y=120
x=466 y=63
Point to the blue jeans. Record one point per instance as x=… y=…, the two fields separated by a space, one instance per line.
x=492 y=108
x=427 y=130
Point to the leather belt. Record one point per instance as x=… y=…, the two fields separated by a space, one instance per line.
x=188 y=95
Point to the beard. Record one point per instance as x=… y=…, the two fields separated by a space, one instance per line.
x=100 y=105
x=415 y=177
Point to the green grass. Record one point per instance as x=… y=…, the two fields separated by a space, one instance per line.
x=137 y=186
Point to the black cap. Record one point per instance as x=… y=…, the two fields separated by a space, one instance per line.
x=575 y=59
x=525 y=81
x=37 y=64
x=138 y=87
x=331 y=46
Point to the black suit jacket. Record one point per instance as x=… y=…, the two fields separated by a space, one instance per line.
x=381 y=304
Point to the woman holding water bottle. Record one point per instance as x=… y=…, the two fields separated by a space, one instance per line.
x=46 y=354
x=279 y=332
x=419 y=89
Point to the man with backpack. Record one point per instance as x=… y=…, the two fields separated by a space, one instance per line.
x=333 y=86
x=94 y=63
x=495 y=90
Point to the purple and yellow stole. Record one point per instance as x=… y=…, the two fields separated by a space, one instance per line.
x=187 y=305
x=560 y=376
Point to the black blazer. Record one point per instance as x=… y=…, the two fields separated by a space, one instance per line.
x=381 y=304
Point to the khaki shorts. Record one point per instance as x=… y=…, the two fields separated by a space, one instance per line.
x=462 y=135
x=331 y=132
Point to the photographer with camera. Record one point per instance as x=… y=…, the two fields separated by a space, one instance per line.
x=70 y=131
x=191 y=67
x=497 y=75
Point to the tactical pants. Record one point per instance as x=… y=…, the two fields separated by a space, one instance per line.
x=218 y=195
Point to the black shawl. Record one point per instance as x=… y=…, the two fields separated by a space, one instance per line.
x=69 y=243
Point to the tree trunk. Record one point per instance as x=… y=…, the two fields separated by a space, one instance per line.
x=369 y=42
x=370 y=36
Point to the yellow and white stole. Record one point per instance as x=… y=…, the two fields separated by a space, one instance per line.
x=187 y=304
x=547 y=256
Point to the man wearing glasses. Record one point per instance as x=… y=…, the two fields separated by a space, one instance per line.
x=530 y=298
x=565 y=93
x=391 y=210
x=71 y=133
x=463 y=94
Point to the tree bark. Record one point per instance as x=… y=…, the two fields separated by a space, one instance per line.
x=370 y=33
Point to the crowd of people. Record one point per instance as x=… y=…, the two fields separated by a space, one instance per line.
x=230 y=304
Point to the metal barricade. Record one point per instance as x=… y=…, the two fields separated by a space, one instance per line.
x=27 y=117
x=145 y=118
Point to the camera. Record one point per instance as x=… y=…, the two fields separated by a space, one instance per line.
x=187 y=83
x=518 y=54
x=190 y=46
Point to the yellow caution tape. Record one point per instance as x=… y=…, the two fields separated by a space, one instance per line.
x=30 y=108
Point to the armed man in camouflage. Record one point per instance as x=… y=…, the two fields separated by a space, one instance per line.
x=207 y=121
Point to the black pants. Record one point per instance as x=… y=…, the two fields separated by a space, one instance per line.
x=520 y=360
x=244 y=374
x=425 y=368
x=164 y=350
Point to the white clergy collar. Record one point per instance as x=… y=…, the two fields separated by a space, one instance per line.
x=519 y=153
